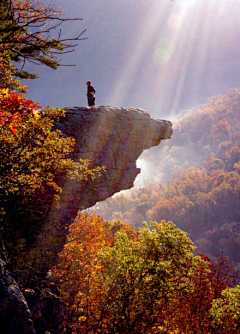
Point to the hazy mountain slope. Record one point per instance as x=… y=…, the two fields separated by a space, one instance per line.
x=202 y=160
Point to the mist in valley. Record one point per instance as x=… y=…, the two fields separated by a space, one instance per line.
x=168 y=58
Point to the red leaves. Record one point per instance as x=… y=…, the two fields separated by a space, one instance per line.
x=206 y=284
x=13 y=107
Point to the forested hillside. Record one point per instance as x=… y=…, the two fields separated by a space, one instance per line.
x=201 y=197
x=116 y=280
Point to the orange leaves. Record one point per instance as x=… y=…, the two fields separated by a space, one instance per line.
x=207 y=284
x=13 y=128
x=25 y=35
x=79 y=271
x=78 y=263
x=31 y=154
x=133 y=283
x=29 y=9
x=33 y=12
x=221 y=130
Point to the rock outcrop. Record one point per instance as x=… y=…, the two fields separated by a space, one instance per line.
x=113 y=137
x=25 y=310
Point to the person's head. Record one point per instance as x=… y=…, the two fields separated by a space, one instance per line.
x=88 y=83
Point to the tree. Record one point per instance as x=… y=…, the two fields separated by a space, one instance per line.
x=79 y=267
x=226 y=311
x=123 y=286
x=26 y=34
x=192 y=313
x=31 y=153
x=116 y=280
x=7 y=81
x=143 y=276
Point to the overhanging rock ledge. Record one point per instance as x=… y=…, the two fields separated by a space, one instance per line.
x=113 y=137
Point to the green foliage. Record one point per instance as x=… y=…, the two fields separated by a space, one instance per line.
x=143 y=275
x=116 y=280
x=7 y=70
x=31 y=153
x=226 y=311
x=123 y=282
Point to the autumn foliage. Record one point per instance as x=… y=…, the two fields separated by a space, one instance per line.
x=202 y=199
x=32 y=155
x=141 y=285
x=116 y=280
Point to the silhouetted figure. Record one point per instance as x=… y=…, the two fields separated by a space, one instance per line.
x=90 y=94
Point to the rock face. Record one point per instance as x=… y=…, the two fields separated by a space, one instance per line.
x=27 y=311
x=14 y=312
x=113 y=137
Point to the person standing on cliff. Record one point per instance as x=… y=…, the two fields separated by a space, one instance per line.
x=90 y=94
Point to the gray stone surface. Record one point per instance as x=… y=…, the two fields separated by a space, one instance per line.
x=113 y=137
x=24 y=311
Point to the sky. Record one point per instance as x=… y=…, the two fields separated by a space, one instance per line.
x=162 y=56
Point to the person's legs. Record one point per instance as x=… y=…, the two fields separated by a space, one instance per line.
x=91 y=101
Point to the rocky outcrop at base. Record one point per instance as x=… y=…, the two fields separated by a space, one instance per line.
x=15 y=316
x=24 y=310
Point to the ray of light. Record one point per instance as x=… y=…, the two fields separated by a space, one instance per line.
x=135 y=55
x=174 y=37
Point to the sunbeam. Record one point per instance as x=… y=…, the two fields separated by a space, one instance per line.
x=178 y=42
x=136 y=53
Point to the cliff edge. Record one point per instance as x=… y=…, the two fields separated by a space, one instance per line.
x=113 y=137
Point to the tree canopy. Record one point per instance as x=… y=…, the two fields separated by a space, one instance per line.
x=116 y=280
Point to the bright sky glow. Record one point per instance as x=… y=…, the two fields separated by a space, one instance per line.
x=161 y=55
x=180 y=37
